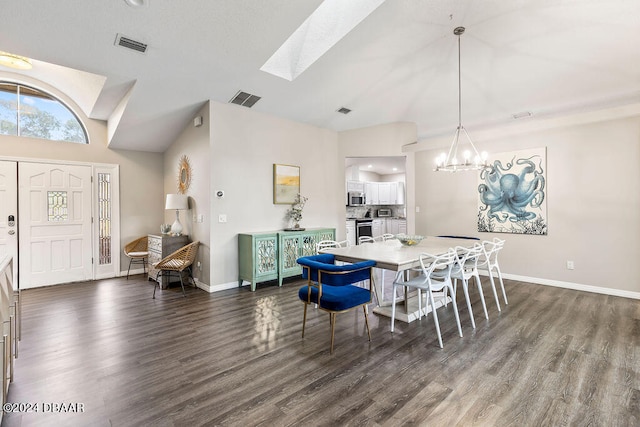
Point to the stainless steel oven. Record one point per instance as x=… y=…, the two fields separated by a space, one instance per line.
x=364 y=227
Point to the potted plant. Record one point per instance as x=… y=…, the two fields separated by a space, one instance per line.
x=294 y=213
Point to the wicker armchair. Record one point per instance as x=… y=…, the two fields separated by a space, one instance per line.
x=177 y=262
x=138 y=252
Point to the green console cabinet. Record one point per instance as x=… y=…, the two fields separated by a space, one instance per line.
x=272 y=255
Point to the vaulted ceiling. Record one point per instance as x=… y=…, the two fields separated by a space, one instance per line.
x=547 y=57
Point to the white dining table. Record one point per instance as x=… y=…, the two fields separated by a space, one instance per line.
x=392 y=255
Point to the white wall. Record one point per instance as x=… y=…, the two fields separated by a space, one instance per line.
x=141 y=194
x=194 y=143
x=593 y=202
x=244 y=146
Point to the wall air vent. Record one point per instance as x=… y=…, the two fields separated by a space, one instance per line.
x=343 y=110
x=128 y=43
x=245 y=99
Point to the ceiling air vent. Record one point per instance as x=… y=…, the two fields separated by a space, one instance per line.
x=130 y=43
x=245 y=99
x=343 y=110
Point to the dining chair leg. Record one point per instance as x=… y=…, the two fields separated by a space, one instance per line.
x=435 y=315
x=332 y=319
x=304 y=318
x=182 y=284
x=484 y=305
x=158 y=275
x=465 y=288
x=129 y=269
x=393 y=307
x=366 y=320
x=455 y=308
x=504 y=294
x=493 y=288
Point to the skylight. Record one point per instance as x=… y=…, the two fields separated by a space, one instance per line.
x=325 y=27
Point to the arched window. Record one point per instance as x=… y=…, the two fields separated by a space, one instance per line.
x=25 y=111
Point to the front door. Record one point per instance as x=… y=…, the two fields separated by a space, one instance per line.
x=9 y=213
x=55 y=226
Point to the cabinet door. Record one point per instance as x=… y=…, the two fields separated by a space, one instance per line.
x=289 y=253
x=378 y=227
x=328 y=234
x=402 y=226
x=371 y=193
x=399 y=193
x=393 y=193
x=392 y=226
x=384 y=193
x=351 y=233
x=266 y=253
x=357 y=186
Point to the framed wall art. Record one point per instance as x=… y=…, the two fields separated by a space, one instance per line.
x=512 y=193
x=286 y=184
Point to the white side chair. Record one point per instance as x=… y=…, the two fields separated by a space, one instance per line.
x=466 y=267
x=387 y=236
x=427 y=282
x=365 y=239
x=489 y=262
x=324 y=244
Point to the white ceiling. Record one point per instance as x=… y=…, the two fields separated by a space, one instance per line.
x=545 y=56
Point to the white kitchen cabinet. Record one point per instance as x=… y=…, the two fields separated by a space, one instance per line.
x=392 y=226
x=384 y=193
x=379 y=227
x=351 y=232
x=399 y=193
x=355 y=186
x=396 y=226
x=371 y=193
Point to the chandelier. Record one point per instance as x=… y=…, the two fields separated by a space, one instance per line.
x=471 y=159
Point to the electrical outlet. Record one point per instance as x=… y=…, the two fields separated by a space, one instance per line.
x=570 y=265
x=222 y=218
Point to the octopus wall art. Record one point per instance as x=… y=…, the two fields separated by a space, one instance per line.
x=512 y=196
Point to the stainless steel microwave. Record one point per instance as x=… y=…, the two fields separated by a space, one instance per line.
x=355 y=199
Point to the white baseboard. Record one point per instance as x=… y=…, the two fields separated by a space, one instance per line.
x=533 y=280
x=571 y=285
x=226 y=286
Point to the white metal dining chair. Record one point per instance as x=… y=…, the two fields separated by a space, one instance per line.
x=369 y=239
x=489 y=262
x=324 y=244
x=466 y=267
x=365 y=239
x=387 y=236
x=427 y=282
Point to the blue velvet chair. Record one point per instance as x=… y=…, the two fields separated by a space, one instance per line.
x=331 y=287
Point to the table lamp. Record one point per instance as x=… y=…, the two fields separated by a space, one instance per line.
x=177 y=202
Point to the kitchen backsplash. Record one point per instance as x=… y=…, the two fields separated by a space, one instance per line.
x=360 y=211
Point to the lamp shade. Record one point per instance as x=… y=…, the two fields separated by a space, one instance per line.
x=177 y=202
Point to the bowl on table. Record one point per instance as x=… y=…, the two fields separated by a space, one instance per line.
x=407 y=240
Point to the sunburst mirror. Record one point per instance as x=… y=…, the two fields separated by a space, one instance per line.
x=184 y=175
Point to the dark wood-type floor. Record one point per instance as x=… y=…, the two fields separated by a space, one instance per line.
x=552 y=357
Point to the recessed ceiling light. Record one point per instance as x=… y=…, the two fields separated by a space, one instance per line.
x=15 y=61
x=395 y=169
x=369 y=166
